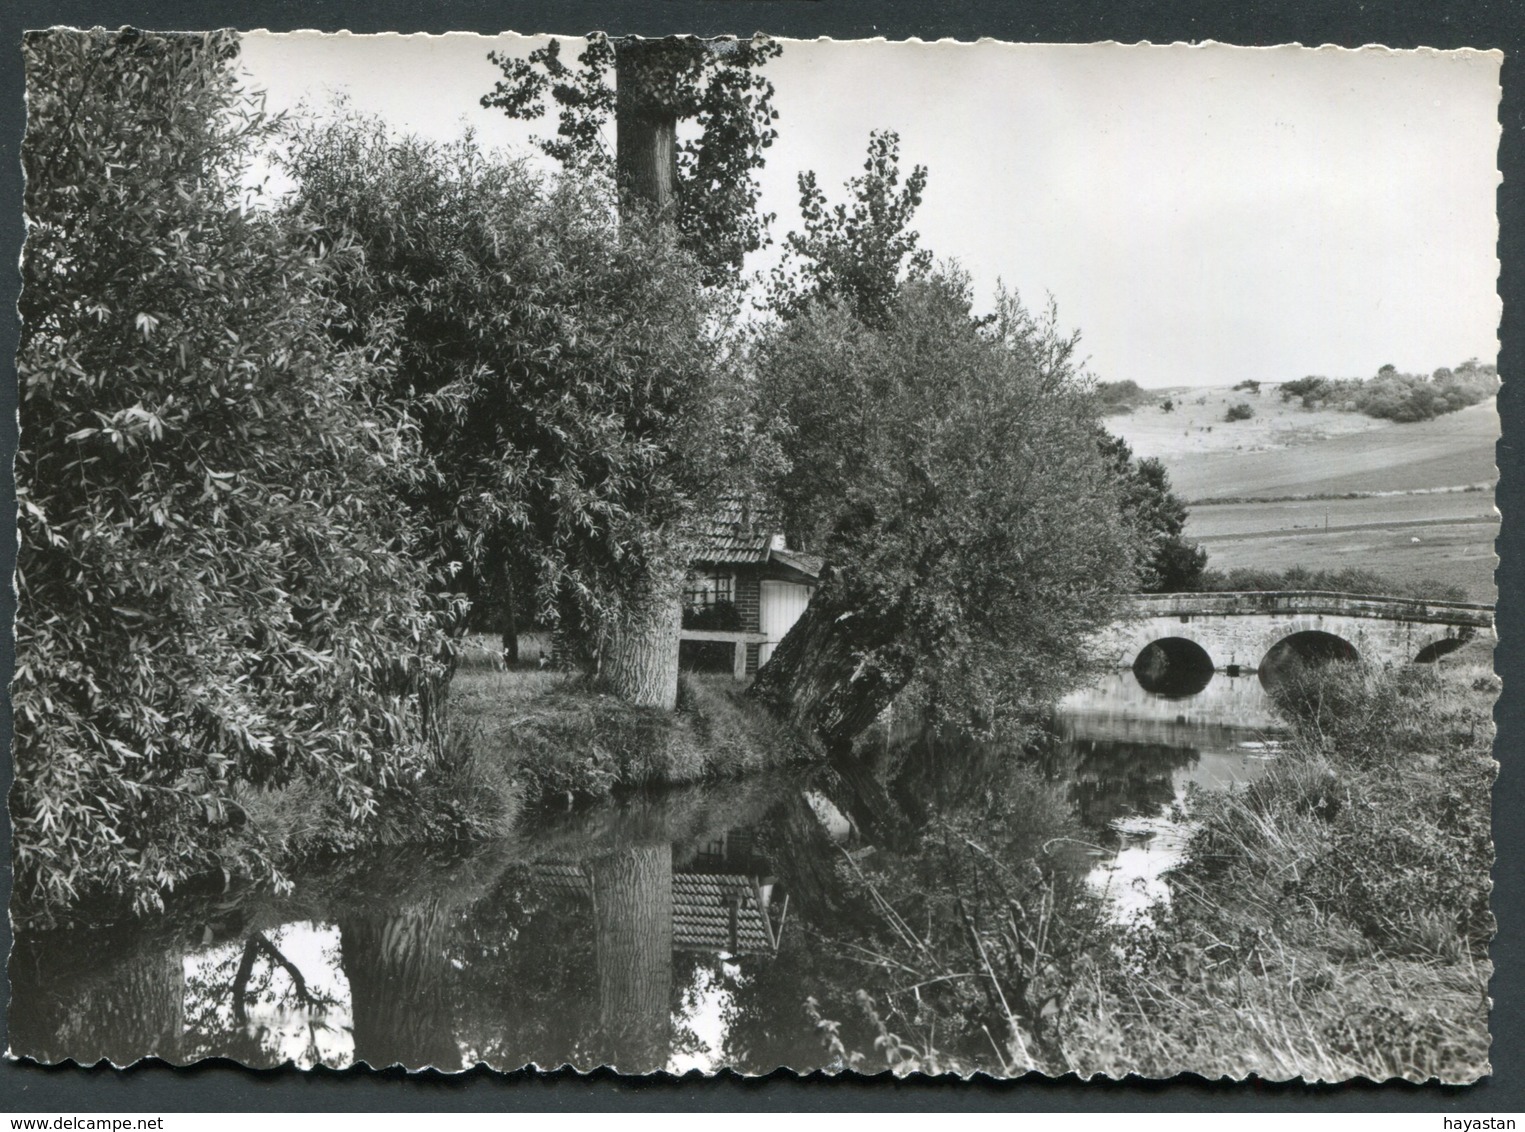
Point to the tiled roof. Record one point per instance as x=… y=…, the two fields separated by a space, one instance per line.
x=701 y=914
x=701 y=908
x=736 y=532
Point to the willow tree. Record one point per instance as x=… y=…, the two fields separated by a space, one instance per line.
x=571 y=375
x=703 y=188
x=216 y=590
x=946 y=468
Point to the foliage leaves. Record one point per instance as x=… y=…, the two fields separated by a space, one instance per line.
x=1168 y=563
x=214 y=588
x=573 y=379
x=946 y=467
x=859 y=252
x=716 y=84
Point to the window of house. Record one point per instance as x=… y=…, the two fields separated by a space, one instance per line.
x=701 y=591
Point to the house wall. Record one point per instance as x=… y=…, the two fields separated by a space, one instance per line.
x=748 y=604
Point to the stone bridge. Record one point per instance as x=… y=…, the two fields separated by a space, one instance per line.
x=1238 y=631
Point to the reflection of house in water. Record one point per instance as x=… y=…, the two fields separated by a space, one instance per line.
x=722 y=897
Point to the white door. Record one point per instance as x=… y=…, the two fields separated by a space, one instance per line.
x=780 y=606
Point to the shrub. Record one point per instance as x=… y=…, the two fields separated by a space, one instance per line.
x=1303 y=387
x=1350 y=580
x=216 y=588
x=1398 y=396
x=1247 y=386
x=1119 y=397
x=1405 y=846
x=1239 y=412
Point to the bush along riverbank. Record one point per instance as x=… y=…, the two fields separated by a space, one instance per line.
x=520 y=737
x=1330 y=920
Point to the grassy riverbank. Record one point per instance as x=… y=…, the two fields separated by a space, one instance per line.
x=1332 y=919
x=519 y=737
x=555 y=735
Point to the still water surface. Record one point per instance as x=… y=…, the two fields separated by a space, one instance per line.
x=681 y=931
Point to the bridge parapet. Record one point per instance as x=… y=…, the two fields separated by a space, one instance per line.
x=1326 y=603
x=1238 y=630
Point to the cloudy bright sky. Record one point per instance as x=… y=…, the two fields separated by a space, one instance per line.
x=1201 y=214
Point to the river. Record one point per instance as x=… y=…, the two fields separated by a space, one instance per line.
x=681 y=931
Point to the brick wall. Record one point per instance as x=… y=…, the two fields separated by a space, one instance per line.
x=749 y=606
x=749 y=599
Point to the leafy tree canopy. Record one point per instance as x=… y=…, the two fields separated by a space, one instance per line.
x=1168 y=563
x=574 y=380
x=717 y=85
x=861 y=251
x=216 y=593
x=947 y=468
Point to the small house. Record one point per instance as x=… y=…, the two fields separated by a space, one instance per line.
x=745 y=586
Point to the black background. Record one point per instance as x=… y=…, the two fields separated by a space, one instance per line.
x=213 y=1086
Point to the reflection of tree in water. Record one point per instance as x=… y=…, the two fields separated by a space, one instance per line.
x=990 y=868
x=1111 y=780
x=239 y=995
x=399 y=975
x=96 y=994
x=528 y=987
x=632 y=914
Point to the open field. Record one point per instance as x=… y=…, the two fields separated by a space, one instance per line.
x=1449 y=451
x=1195 y=426
x=1458 y=553
x=1413 y=532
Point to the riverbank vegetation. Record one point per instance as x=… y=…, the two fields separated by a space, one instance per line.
x=1330 y=920
x=215 y=584
x=518 y=738
x=274 y=450
x=562 y=740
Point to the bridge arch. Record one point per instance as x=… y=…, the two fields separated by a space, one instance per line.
x=1144 y=635
x=1307 y=629
x=1437 y=646
x=1173 y=666
x=1311 y=645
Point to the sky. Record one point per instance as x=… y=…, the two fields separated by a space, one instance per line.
x=1201 y=214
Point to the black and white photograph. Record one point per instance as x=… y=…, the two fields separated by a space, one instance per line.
x=684 y=555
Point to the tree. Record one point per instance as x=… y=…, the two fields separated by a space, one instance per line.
x=706 y=183
x=860 y=252
x=1168 y=563
x=947 y=469
x=216 y=591
x=703 y=187
x=573 y=378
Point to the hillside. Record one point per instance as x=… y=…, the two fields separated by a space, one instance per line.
x=1287 y=450
x=1413 y=531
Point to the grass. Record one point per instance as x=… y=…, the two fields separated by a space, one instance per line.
x=556 y=736
x=1332 y=919
x=1461 y=554
x=524 y=736
x=1400 y=499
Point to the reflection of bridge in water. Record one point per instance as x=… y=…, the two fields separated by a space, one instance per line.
x=1244 y=632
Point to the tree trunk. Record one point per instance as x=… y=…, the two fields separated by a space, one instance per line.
x=640 y=655
x=646 y=116
x=509 y=623
x=399 y=975
x=632 y=909
x=820 y=678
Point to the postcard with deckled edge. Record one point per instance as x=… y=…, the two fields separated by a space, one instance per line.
x=684 y=555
